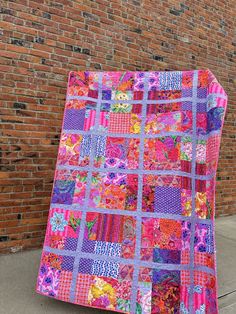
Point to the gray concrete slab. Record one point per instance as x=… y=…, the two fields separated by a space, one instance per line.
x=18 y=274
x=226 y=263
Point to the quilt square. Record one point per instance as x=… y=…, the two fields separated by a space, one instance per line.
x=107 y=248
x=114 y=191
x=64 y=286
x=67 y=263
x=106 y=94
x=203 y=240
x=187 y=121
x=145 y=274
x=80 y=180
x=166 y=282
x=201 y=123
x=186 y=202
x=165 y=256
x=173 y=205
x=102 y=293
x=186 y=106
x=187 y=79
x=139 y=78
x=162 y=153
x=119 y=123
x=121 y=96
x=165 y=234
x=201 y=185
x=155 y=186
x=74 y=119
x=155 y=94
x=202 y=92
x=99 y=229
x=204 y=205
x=202 y=107
x=74 y=150
x=164 y=108
x=204 y=259
x=63 y=229
x=75 y=104
x=49 y=274
x=85 y=265
x=92 y=93
x=48 y=280
x=212 y=148
x=205 y=292
x=105 y=268
x=146 y=254
x=69 y=187
x=83 y=283
x=186 y=149
x=121 y=120
x=186 y=155
x=118 y=152
x=80 y=83
x=118 y=80
x=215 y=118
x=109 y=293
x=51 y=261
x=163 y=122
x=144 y=297
x=89 y=118
x=170 y=80
x=102 y=248
x=99 y=143
x=63 y=192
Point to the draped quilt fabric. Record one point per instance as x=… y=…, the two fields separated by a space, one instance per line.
x=131 y=220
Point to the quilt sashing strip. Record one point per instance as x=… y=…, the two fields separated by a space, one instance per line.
x=131 y=220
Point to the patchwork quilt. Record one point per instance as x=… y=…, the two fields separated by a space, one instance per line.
x=131 y=221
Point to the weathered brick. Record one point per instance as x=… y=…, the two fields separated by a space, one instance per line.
x=42 y=42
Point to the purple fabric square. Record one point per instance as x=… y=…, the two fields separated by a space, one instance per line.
x=106 y=94
x=201 y=107
x=187 y=92
x=63 y=192
x=74 y=119
x=161 y=276
x=67 y=263
x=71 y=244
x=85 y=266
x=167 y=200
x=166 y=256
x=105 y=107
x=88 y=246
x=214 y=119
x=186 y=105
x=202 y=92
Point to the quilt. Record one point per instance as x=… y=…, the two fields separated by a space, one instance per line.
x=131 y=220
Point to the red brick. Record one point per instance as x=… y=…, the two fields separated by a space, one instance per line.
x=33 y=74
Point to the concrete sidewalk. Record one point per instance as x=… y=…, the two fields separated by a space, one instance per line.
x=18 y=278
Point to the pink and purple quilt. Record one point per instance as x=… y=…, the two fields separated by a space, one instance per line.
x=131 y=220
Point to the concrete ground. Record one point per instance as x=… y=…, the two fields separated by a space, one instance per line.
x=18 y=277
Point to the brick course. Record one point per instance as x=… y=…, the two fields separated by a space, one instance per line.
x=41 y=41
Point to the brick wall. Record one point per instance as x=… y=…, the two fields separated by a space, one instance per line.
x=41 y=41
